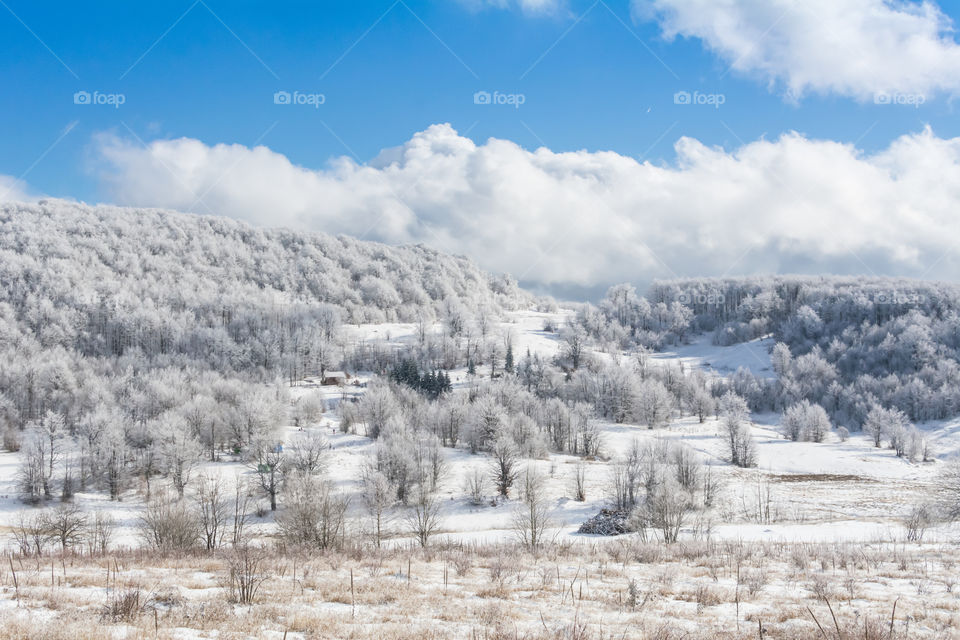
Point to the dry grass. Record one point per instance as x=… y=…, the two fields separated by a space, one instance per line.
x=624 y=589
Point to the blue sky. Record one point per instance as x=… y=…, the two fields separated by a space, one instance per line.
x=598 y=88
x=593 y=76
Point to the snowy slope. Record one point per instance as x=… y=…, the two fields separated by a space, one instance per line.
x=753 y=355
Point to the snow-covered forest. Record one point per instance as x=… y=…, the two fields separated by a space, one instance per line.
x=847 y=344
x=106 y=309
x=187 y=384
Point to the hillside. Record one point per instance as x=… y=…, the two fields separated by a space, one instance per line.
x=91 y=255
x=846 y=343
x=90 y=296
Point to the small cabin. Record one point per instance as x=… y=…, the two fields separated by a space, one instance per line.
x=335 y=378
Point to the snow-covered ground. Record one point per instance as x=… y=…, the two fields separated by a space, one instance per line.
x=817 y=491
x=813 y=521
x=701 y=352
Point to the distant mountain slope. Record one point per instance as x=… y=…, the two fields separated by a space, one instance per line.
x=130 y=256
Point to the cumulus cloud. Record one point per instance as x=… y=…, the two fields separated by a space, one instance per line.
x=855 y=48
x=14 y=190
x=587 y=219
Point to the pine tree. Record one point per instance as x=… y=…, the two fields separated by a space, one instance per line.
x=446 y=384
x=429 y=384
x=508 y=361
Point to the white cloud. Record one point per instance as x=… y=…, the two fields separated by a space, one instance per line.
x=527 y=6
x=14 y=190
x=855 y=48
x=587 y=219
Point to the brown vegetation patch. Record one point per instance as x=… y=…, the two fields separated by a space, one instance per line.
x=820 y=477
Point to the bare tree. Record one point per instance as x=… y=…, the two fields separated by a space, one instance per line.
x=308 y=452
x=112 y=456
x=269 y=462
x=166 y=524
x=883 y=423
x=666 y=506
x=579 y=481
x=589 y=436
x=701 y=404
x=240 y=515
x=65 y=524
x=710 y=486
x=30 y=534
x=423 y=520
x=917 y=522
x=377 y=406
x=308 y=409
x=314 y=515
x=626 y=476
x=687 y=466
x=805 y=421
x=101 y=527
x=532 y=517
x=213 y=510
x=247 y=567
x=430 y=466
x=68 y=481
x=476 y=486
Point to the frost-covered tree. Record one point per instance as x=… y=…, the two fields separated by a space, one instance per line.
x=805 y=421
x=734 y=415
x=504 y=465
x=119 y=325
x=654 y=404
x=377 y=407
x=41 y=453
x=701 y=404
x=574 y=344
x=889 y=424
x=378 y=496
x=180 y=453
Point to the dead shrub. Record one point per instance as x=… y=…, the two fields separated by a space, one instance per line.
x=246 y=567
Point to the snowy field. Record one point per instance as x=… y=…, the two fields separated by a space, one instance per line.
x=629 y=590
x=813 y=526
